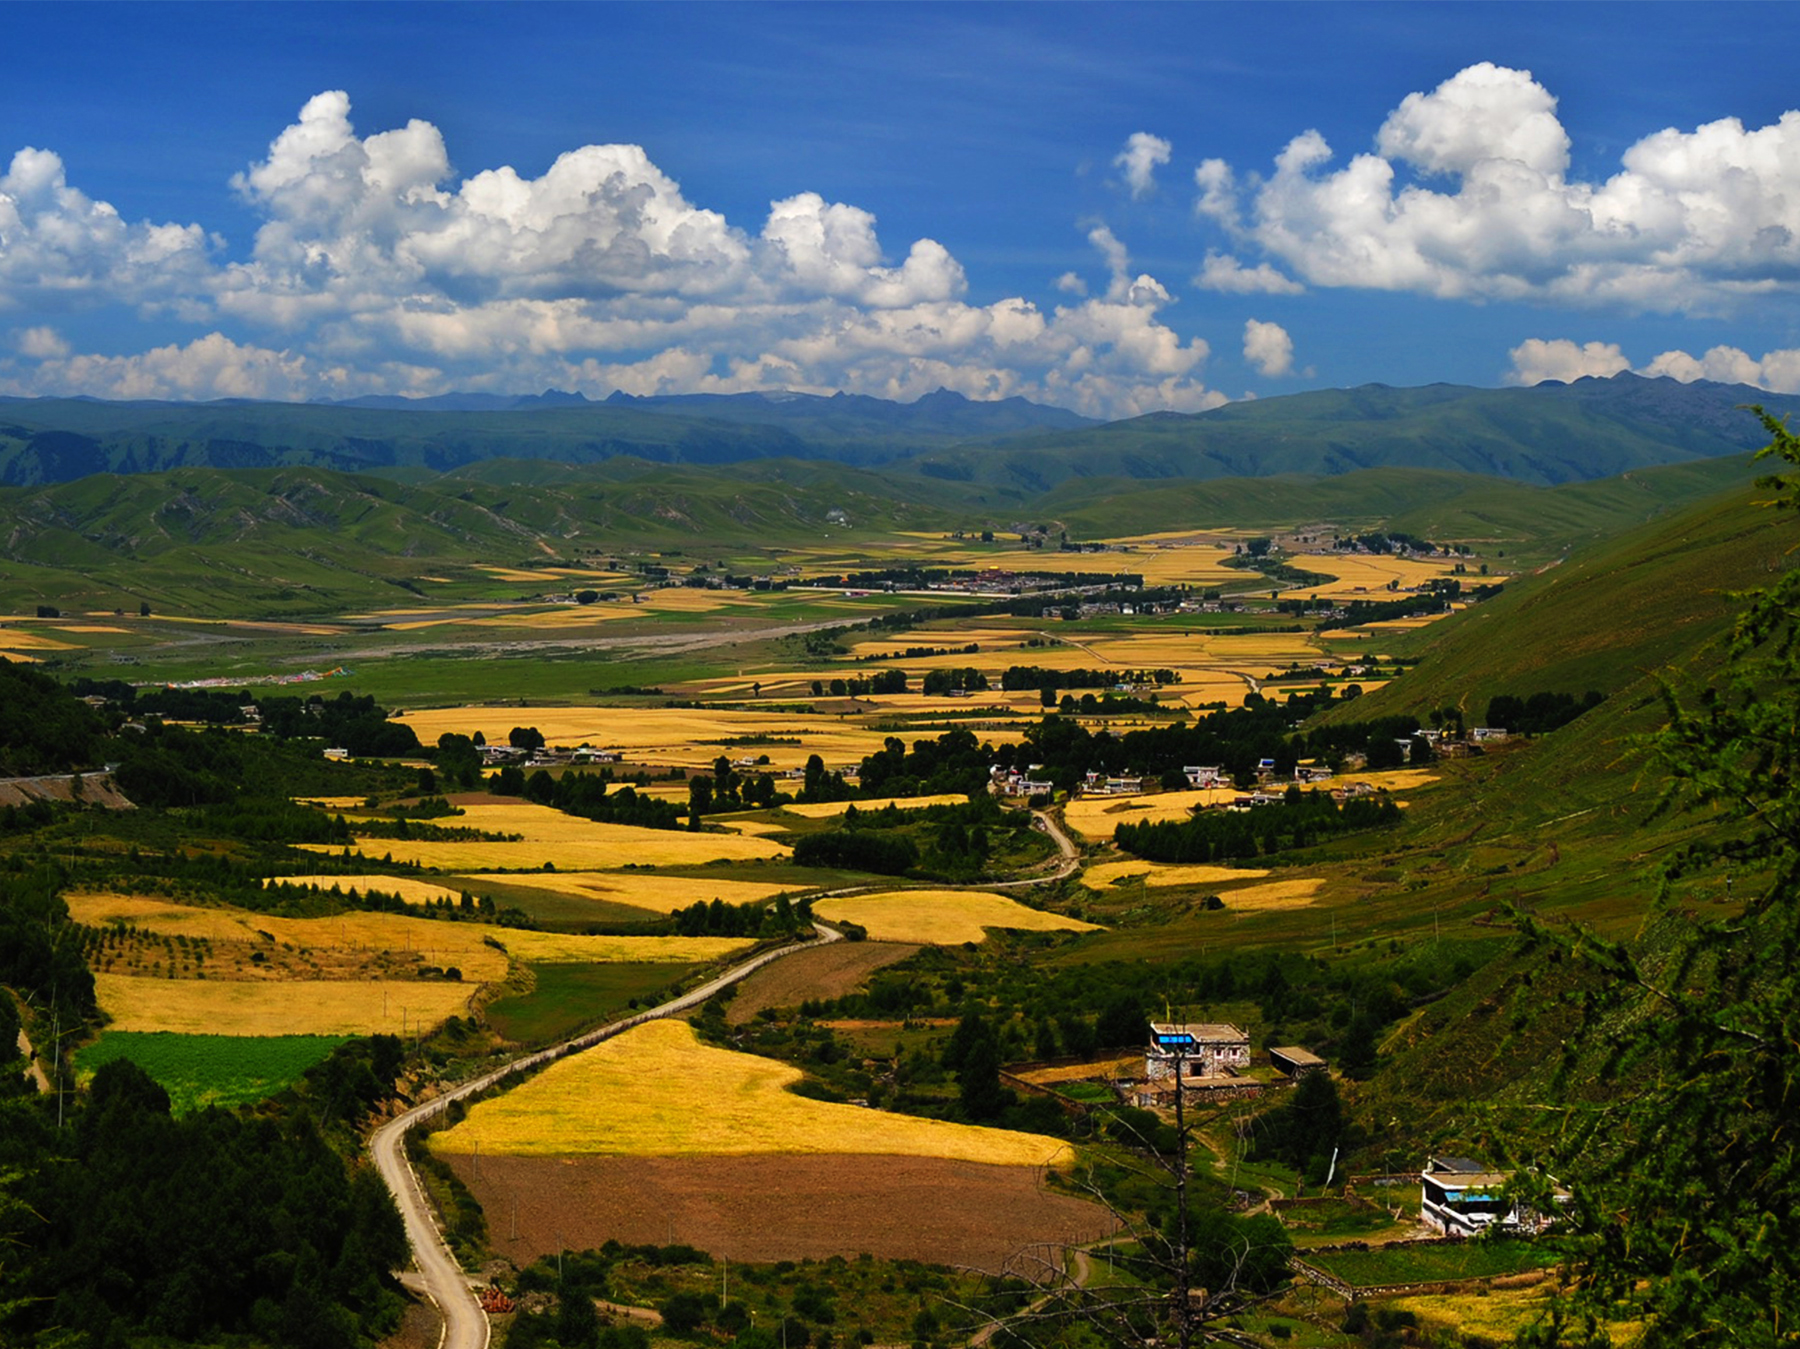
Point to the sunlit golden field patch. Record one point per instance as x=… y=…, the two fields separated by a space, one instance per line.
x=824 y=810
x=640 y=890
x=437 y=943
x=561 y=948
x=1390 y=780
x=941 y=917
x=1290 y=894
x=227 y=1007
x=18 y=639
x=1096 y=817
x=1107 y=875
x=1366 y=576
x=687 y=737
x=656 y=1091
x=552 y=838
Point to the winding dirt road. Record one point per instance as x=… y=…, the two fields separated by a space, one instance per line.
x=465 y=1324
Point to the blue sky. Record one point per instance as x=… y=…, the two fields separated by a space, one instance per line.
x=1116 y=208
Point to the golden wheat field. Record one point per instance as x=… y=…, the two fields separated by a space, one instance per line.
x=227 y=1007
x=689 y=737
x=473 y=948
x=1290 y=894
x=1366 y=577
x=1096 y=817
x=656 y=1091
x=640 y=890
x=941 y=917
x=563 y=841
x=18 y=639
x=437 y=943
x=824 y=810
x=559 y=948
x=408 y=888
x=1390 y=780
x=1155 y=874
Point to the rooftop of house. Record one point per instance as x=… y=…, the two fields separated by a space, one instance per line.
x=1301 y=1057
x=1199 y=1033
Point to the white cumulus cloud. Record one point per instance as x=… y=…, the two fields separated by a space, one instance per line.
x=60 y=248
x=1537 y=359
x=1268 y=347
x=1142 y=156
x=1467 y=194
x=378 y=266
x=1222 y=272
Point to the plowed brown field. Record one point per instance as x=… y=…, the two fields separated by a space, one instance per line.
x=823 y=972
x=776 y=1208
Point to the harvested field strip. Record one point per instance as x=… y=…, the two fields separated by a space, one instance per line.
x=437 y=943
x=1109 y=874
x=777 y=1208
x=691 y=737
x=205 y=1070
x=224 y=1007
x=478 y=950
x=408 y=888
x=824 y=810
x=1096 y=817
x=941 y=917
x=823 y=972
x=565 y=842
x=656 y=894
x=656 y=1091
x=1294 y=894
x=1082 y=1072
x=557 y=948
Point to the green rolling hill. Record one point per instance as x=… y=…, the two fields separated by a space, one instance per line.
x=1548 y=434
x=1552 y=433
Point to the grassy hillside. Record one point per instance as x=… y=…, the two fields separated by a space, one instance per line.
x=1619 y=612
x=1547 y=434
x=54 y=440
x=301 y=540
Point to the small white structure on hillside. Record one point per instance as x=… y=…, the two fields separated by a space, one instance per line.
x=1181 y=1052
x=1461 y=1198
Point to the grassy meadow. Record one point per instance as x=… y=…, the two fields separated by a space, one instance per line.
x=200 y=1070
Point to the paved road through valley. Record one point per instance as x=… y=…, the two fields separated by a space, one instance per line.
x=465 y=1324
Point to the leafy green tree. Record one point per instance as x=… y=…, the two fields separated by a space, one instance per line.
x=1684 y=1191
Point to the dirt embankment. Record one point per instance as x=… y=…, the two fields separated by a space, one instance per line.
x=777 y=1208
x=94 y=789
x=824 y=972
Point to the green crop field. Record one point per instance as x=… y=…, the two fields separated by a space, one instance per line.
x=1414 y=1262
x=211 y=1070
x=570 y=998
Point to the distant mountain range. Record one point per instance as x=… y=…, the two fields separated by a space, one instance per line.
x=1551 y=433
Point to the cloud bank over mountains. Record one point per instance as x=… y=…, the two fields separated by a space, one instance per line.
x=376 y=267
x=376 y=270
